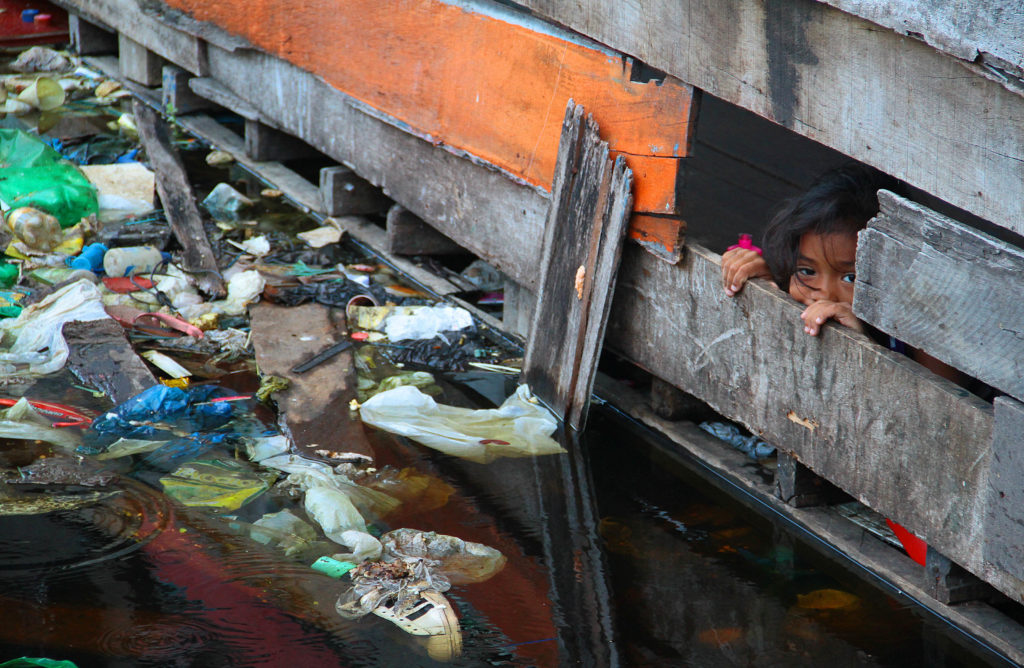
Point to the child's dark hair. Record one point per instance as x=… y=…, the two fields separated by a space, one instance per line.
x=840 y=201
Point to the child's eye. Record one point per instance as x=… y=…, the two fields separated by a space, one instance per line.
x=804 y=271
x=849 y=278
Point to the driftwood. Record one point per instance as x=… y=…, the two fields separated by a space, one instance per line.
x=178 y=201
x=586 y=225
x=100 y=355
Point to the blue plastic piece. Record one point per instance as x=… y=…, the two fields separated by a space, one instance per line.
x=90 y=258
x=28 y=15
x=751 y=446
x=163 y=412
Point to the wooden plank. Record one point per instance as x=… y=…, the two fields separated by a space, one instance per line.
x=209 y=89
x=583 y=238
x=409 y=235
x=178 y=201
x=1003 y=544
x=956 y=293
x=990 y=29
x=101 y=356
x=345 y=193
x=898 y=438
x=314 y=410
x=663 y=237
x=882 y=98
x=129 y=18
x=138 y=63
x=492 y=216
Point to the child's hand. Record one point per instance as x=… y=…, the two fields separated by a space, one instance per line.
x=815 y=315
x=739 y=265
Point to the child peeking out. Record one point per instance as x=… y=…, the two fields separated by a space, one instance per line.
x=810 y=250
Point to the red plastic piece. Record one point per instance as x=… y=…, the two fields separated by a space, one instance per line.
x=916 y=548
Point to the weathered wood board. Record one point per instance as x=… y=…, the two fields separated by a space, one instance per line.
x=89 y=39
x=409 y=235
x=314 y=410
x=1004 y=526
x=129 y=18
x=504 y=60
x=178 y=201
x=888 y=100
x=101 y=356
x=139 y=63
x=345 y=193
x=899 y=438
x=944 y=288
x=583 y=238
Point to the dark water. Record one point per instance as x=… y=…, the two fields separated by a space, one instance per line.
x=695 y=577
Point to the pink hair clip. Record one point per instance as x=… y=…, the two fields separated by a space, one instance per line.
x=746 y=241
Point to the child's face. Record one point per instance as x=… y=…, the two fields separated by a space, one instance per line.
x=824 y=269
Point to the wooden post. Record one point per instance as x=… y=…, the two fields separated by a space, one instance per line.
x=409 y=235
x=88 y=39
x=178 y=98
x=178 y=201
x=948 y=583
x=517 y=312
x=583 y=236
x=345 y=193
x=1004 y=539
x=799 y=486
x=263 y=143
x=138 y=63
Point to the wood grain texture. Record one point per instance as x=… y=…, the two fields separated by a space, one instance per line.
x=888 y=100
x=1004 y=525
x=178 y=201
x=944 y=288
x=583 y=237
x=314 y=410
x=127 y=17
x=101 y=356
x=899 y=438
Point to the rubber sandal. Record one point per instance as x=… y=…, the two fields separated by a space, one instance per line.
x=160 y=324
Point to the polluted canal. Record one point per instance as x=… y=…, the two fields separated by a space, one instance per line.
x=314 y=461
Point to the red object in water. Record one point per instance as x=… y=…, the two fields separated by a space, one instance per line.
x=49 y=25
x=916 y=548
x=359 y=336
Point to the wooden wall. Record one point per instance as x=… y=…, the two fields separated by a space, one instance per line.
x=904 y=441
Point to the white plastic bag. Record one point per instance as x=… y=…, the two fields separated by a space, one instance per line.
x=426 y=322
x=34 y=337
x=518 y=428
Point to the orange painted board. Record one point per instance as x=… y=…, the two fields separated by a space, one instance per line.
x=657 y=233
x=492 y=84
x=654 y=183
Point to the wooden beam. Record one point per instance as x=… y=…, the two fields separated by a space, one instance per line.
x=895 y=436
x=138 y=63
x=264 y=144
x=880 y=97
x=88 y=39
x=944 y=288
x=128 y=17
x=179 y=203
x=345 y=193
x=409 y=235
x=176 y=95
x=583 y=238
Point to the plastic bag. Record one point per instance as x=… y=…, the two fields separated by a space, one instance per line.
x=341 y=522
x=221 y=484
x=163 y=412
x=459 y=561
x=35 y=175
x=34 y=338
x=518 y=428
x=751 y=446
x=426 y=322
x=23 y=422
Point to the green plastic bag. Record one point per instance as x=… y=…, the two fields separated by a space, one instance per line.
x=31 y=662
x=33 y=174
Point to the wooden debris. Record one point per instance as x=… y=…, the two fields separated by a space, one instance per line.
x=583 y=235
x=314 y=410
x=409 y=235
x=101 y=356
x=345 y=193
x=139 y=63
x=179 y=202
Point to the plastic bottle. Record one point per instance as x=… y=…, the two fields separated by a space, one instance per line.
x=91 y=258
x=132 y=260
x=37 y=229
